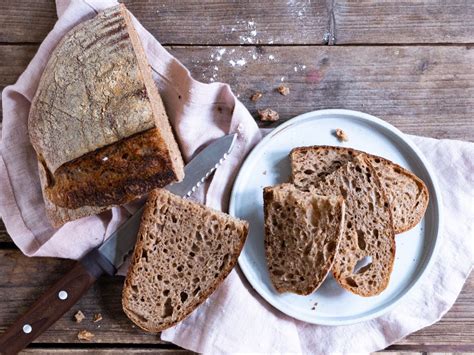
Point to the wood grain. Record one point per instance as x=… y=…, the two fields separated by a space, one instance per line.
x=421 y=90
x=26 y=21
x=24 y=279
x=392 y=21
x=281 y=22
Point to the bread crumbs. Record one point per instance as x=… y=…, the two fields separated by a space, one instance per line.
x=97 y=317
x=268 y=115
x=256 y=96
x=283 y=90
x=341 y=135
x=85 y=335
x=79 y=316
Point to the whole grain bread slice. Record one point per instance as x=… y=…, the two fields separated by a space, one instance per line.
x=183 y=252
x=407 y=194
x=368 y=235
x=302 y=235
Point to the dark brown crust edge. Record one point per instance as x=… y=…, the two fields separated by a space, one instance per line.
x=404 y=171
x=394 y=246
x=205 y=295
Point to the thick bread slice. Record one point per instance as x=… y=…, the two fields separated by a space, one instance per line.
x=184 y=251
x=368 y=232
x=302 y=235
x=95 y=94
x=407 y=194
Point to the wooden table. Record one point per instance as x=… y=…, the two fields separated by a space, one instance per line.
x=411 y=64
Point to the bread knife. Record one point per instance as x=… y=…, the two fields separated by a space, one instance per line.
x=107 y=258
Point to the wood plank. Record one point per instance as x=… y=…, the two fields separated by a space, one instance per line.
x=392 y=21
x=420 y=89
x=190 y=21
x=110 y=351
x=26 y=21
x=24 y=279
x=4 y=237
x=227 y=22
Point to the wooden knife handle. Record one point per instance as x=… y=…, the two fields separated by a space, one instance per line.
x=53 y=304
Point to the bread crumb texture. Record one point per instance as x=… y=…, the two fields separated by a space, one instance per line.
x=183 y=252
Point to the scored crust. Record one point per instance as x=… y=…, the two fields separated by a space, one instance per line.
x=96 y=94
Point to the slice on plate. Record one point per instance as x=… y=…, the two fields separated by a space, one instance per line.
x=406 y=193
x=184 y=251
x=302 y=234
x=368 y=234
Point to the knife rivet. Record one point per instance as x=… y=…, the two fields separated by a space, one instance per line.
x=27 y=329
x=62 y=295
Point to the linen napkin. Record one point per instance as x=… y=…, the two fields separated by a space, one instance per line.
x=235 y=318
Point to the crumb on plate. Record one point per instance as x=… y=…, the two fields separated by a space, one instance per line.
x=341 y=135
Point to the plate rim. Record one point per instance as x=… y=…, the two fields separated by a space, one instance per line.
x=434 y=198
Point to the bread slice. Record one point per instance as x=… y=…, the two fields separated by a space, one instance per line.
x=97 y=121
x=368 y=231
x=406 y=193
x=183 y=252
x=302 y=234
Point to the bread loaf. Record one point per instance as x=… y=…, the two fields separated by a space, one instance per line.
x=407 y=194
x=97 y=121
x=368 y=234
x=302 y=235
x=183 y=252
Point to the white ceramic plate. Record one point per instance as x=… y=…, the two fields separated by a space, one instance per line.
x=268 y=164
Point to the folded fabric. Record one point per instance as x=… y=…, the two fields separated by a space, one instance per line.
x=235 y=318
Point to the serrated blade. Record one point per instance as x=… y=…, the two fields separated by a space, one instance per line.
x=203 y=165
x=121 y=242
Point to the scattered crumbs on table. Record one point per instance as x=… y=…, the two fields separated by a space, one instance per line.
x=282 y=79
x=79 y=316
x=85 y=335
x=268 y=115
x=283 y=90
x=341 y=135
x=271 y=57
x=97 y=317
x=256 y=96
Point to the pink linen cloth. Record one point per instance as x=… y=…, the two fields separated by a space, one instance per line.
x=234 y=318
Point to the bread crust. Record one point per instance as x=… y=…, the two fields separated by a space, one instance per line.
x=95 y=96
x=399 y=226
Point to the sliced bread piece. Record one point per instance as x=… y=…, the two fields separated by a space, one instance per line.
x=183 y=252
x=302 y=234
x=407 y=194
x=368 y=234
